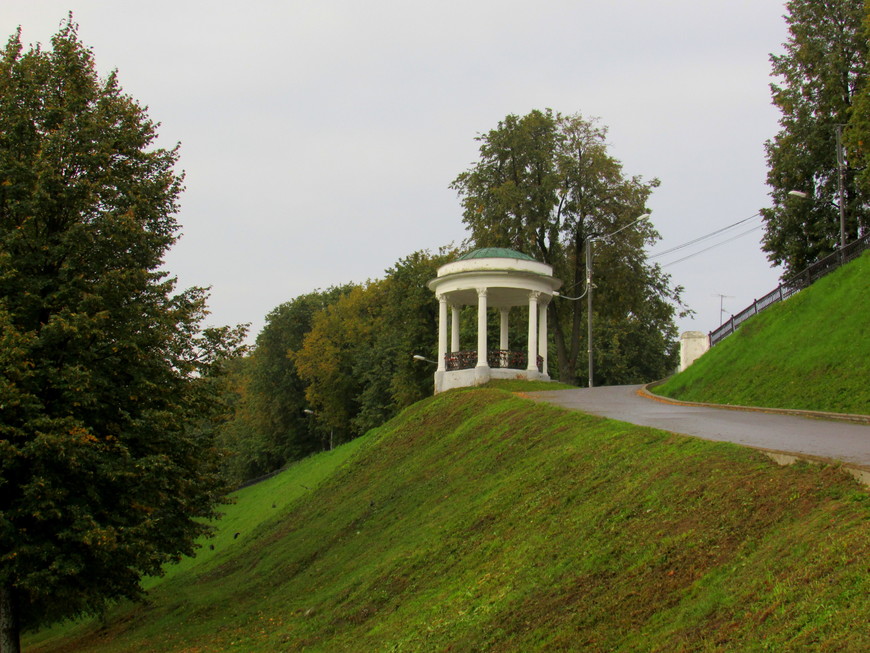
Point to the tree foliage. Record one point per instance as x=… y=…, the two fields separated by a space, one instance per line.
x=544 y=185
x=108 y=391
x=270 y=428
x=857 y=136
x=819 y=79
x=357 y=360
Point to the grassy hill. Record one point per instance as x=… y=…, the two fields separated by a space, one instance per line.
x=478 y=520
x=809 y=352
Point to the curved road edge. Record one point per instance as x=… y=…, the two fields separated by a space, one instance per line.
x=783 y=441
x=644 y=391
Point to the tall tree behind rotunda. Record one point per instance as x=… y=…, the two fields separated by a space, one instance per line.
x=544 y=185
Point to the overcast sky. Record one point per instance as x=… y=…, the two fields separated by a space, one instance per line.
x=319 y=137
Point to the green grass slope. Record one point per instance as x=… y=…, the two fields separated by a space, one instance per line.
x=810 y=352
x=478 y=520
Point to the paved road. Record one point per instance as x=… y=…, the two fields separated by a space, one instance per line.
x=849 y=443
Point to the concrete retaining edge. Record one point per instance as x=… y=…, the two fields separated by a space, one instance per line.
x=644 y=392
x=860 y=472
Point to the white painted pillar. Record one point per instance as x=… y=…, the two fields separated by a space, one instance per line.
x=481 y=328
x=692 y=345
x=454 y=329
x=533 y=332
x=503 y=333
x=542 y=335
x=442 y=332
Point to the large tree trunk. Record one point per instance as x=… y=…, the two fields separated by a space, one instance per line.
x=10 y=623
x=566 y=370
x=568 y=348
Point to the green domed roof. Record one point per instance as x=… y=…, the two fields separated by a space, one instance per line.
x=495 y=252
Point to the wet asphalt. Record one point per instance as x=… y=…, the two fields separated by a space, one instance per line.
x=801 y=436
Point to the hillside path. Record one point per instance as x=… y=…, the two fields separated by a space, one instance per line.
x=799 y=436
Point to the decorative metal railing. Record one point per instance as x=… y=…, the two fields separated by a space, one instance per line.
x=496 y=358
x=460 y=360
x=792 y=285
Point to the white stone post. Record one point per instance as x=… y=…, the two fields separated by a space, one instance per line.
x=442 y=332
x=542 y=335
x=454 y=329
x=503 y=332
x=481 y=328
x=692 y=345
x=533 y=332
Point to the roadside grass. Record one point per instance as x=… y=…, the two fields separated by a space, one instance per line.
x=522 y=385
x=478 y=520
x=810 y=352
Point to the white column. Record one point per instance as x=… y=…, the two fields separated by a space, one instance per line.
x=542 y=334
x=442 y=332
x=454 y=328
x=533 y=332
x=503 y=329
x=481 y=328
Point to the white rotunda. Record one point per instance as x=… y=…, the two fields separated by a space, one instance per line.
x=496 y=278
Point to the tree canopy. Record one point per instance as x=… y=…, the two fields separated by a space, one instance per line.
x=357 y=360
x=270 y=427
x=544 y=185
x=108 y=386
x=330 y=365
x=818 y=81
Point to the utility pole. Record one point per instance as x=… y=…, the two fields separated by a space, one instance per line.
x=840 y=174
x=590 y=285
x=722 y=299
x=589 y=308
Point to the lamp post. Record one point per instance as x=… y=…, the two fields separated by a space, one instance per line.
x=589 y=287
x=841 y=171
x=839 y=204
x=308 y=411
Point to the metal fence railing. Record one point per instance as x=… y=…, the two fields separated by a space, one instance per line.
x=792 y=285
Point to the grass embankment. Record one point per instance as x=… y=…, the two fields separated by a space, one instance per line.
x=477 y=520
x=810 y=352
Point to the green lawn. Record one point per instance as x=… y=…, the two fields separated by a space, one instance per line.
x=479 y=520
x=810 y=352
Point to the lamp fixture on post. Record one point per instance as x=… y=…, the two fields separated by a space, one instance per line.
x=308 y=411
x=839 y=204
x=841 y=171
x=590 y=286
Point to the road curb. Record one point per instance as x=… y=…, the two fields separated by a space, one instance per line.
x=644 y=391
x=860 y=472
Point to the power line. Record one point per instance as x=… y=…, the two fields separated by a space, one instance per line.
x=706 y=249
x=704 y=237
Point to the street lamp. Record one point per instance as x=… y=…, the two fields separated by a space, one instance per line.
x=841 y=171
x=308 y=411
x=590 y=286
x=418 y=357
x=839 y=204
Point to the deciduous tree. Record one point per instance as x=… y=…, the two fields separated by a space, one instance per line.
x=817 y=81
x=857 y=135
x=326 y=362
x=107 y=386
x=545 y=185
x=357 y=360
x=270 y=427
